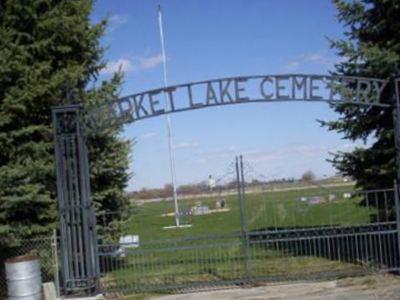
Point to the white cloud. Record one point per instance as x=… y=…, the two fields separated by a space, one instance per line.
x=202 y=160
x=116 y=21
x=185 y=145
x=222 y=154
x=149 y=62
x=130 y=65
x=148 y=135
x=219 y=153
x=291 y=66
x=317 y=58
x=300 y=151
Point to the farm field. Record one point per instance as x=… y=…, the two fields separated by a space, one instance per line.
x=214 y=250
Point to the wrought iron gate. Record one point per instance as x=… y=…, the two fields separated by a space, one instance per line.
x=81 y=271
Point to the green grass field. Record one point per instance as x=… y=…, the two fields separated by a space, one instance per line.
x=175 y=257
x=272 y=209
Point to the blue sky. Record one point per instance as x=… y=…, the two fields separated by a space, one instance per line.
x=212 y=39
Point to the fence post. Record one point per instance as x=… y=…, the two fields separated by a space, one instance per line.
x=243 y=215
x=55 y=262
x=396 y=116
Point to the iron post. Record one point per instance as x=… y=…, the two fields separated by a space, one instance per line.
x=78 y=234
x=396 y=114
x=243 y=214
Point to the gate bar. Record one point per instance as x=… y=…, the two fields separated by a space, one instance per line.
x=243 y=214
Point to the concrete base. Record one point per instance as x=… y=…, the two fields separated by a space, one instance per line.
x=49 y=291
x=177 y=227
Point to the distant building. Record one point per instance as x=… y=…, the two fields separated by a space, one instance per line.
x=211 y=183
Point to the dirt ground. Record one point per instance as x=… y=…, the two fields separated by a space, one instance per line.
x=360 y=288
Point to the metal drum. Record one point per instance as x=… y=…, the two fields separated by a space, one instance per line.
x=24 y=280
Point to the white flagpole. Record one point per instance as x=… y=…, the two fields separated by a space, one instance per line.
x=170 y=146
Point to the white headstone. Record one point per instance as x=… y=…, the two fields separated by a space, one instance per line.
x=129 y=241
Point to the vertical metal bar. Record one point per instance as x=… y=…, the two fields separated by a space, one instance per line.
x=72 y=192
x=67 y=211
x=244 y=219
x=60 y=191
x=380 y=251
x=396 y=116
x=397 y=207
x=77 y=204
x=275 y=213
x=84 y=205
x=297 y=223
x=64 y=212
x=239 y=192
x=88 y=207
x=368 y=236
x=55 y=262
x=386 y=206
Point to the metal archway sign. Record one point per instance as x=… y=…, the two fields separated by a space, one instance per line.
x=237 y=90
x=79 y=258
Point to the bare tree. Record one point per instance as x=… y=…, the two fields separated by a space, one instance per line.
x=308 y=176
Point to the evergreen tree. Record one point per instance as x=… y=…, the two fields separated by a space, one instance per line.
x=46 y=48
x=371 y=49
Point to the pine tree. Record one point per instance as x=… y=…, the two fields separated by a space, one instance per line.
x=49 y=48
x=371 y=49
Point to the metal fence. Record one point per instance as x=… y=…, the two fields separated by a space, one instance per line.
x=44 y=247
x=303 y=233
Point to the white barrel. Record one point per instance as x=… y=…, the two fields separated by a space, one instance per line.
x=24 y=281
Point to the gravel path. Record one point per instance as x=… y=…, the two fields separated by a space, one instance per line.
x=369 y=287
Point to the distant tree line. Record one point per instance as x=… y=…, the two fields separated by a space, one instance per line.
x=203 y=187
